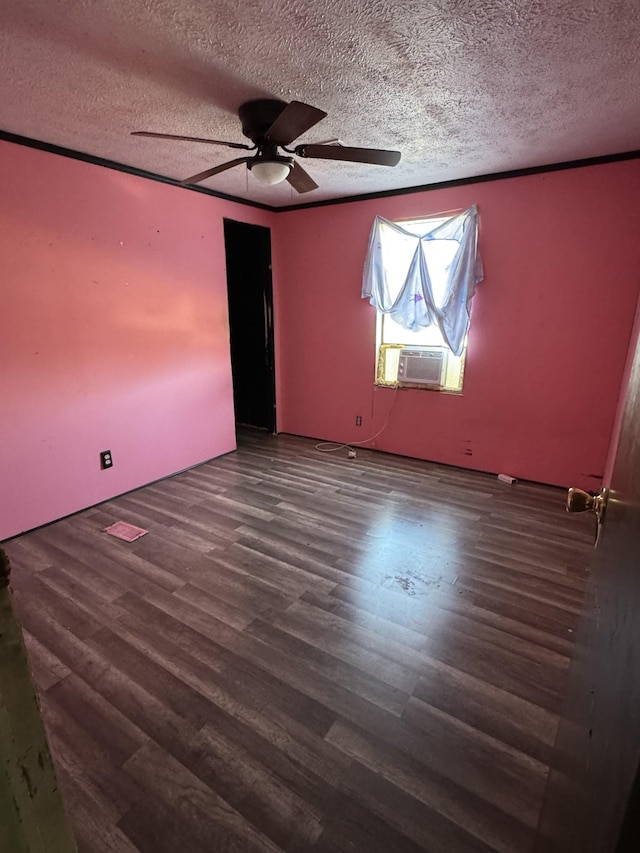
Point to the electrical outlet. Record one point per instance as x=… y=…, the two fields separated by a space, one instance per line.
x=106 y=460
x=358 y=420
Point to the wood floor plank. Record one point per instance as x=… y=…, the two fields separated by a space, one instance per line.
x=98 y=585
x=476 y=629
x=46 y=669
x=474 y=815
x=371 y=687
x=424 y=826
x=515 y=779
x=233 y=584
x=171 y=661
x=217 y=825
x=399 y=618
x=272 y=804
x=516 y=722
x=293 y=580
x=82 y=597
x=93 y=827
x=352 y=826
x=56 y=605
x=91 y=712
x=530 y=680
x=90 y=762
x=305 y=654
x=557 y=639
x=350 y=643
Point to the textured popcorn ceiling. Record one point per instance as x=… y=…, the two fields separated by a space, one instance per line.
x=460 y=87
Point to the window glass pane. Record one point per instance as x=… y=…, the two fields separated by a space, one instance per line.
x=393 y=333
x=422 y=226
x=390 y=365
x=453 y=373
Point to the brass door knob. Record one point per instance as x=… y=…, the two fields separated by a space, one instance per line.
x=580 y=501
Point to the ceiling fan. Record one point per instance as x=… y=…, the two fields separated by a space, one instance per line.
x=272 y=124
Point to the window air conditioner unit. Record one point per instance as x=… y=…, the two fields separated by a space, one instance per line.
x=422 y=366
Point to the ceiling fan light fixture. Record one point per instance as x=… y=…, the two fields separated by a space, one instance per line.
x=272 y=171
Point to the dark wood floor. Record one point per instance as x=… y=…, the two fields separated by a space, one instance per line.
x=305 y=653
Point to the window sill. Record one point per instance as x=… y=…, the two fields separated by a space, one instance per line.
x=408 y=386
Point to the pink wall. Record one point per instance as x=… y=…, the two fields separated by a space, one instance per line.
x=114 y=333
x=548 y=340
x=115 y=330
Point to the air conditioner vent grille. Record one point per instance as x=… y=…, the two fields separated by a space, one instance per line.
x=422 y=366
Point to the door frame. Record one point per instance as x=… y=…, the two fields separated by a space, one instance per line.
x=268 y=313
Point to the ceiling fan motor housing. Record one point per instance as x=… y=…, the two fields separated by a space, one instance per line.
x=257 y=117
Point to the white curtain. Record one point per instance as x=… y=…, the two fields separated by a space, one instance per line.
x=414 y=305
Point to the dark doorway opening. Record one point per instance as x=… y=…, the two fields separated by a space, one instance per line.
x=250 y=293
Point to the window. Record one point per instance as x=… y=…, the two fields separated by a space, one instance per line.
x=420 y=275
x=392 y=339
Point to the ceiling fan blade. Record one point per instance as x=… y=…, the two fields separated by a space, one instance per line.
x=202 y=176
x=301 y=180
x=294 y=120
x=334 y=141
x=376 y=156
x=192 y=139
